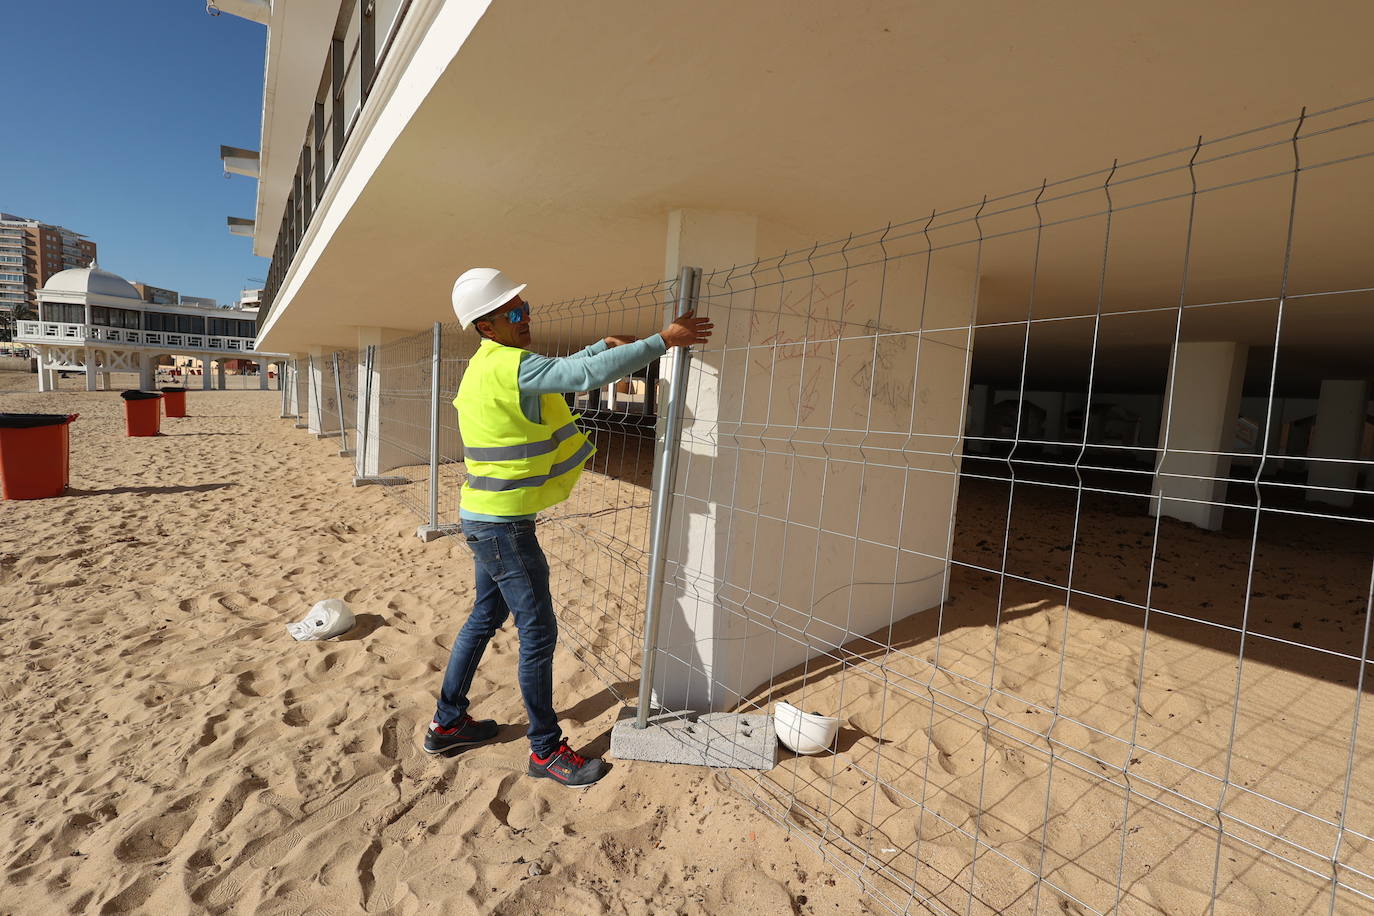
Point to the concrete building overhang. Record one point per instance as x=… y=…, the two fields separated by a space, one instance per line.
x=298 y=35
x=561 y=166
x=240 y=161
x=253 y=10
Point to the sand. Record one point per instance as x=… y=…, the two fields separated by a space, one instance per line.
x=176 y=752
x=1010 y=718
x=172 y=750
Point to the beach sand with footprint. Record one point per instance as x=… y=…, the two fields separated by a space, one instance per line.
x=173 y=751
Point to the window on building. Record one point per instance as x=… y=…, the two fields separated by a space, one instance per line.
x=63 y=312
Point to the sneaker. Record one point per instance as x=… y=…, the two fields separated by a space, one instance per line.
x=469 y=731
x=567 y=767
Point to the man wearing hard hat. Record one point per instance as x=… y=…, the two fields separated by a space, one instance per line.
x=523 y=453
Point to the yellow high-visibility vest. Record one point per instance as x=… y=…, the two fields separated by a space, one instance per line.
x=515 y=467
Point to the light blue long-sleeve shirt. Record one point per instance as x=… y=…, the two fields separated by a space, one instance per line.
x=584 y=370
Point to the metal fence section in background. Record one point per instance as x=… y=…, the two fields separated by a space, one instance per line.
x=402 y=370
x=1059 y=502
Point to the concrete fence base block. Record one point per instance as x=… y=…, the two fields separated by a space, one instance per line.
x=427 y=533
x=333 y=435
x=381 y=481
x=714 y=739
x=346 y=453
x=302 y=426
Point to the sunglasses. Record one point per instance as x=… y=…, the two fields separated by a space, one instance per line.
x=518 y=314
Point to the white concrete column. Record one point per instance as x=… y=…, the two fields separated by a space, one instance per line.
x=1190 y=476
x=773 y=553
x=381 y=437
x=147 y=372
x=44 y=379
x=262 y=375
x=90 y=356
x=219 y=375
x=313 y=368
x=205 y=380
x=1341 y=411
x=295 y=403
x=697 y=668
x=105 y=381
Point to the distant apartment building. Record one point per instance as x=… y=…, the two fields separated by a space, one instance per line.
x=30 y=252
x=156 y=294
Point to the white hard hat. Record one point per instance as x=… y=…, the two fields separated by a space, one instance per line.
x=327 y=619
x=479 y=291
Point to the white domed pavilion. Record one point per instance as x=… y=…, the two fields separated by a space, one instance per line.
x=91 y=281
x=95 y=321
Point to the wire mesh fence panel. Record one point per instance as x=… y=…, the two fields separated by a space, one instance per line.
x=598 y=540
x=348 y=362
x=1059 y=502
x=1027 y=495
x=247 y=378
x=396 y=445
x=456 y=348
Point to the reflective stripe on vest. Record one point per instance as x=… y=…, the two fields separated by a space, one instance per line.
x=516 y=466
x=524 y=450
x=497 y=484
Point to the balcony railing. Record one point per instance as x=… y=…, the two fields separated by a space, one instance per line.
x=355 y=57
x=62 y=333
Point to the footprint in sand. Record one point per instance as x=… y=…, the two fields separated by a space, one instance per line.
x=298 y=711
x=133 y=896
x=233 y=801
x=157 y=836
x=960 y=751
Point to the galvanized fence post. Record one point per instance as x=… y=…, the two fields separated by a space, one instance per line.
x=430 y=530
x=360 y=448
x=281 y=384
x=339 y=401
x=665 y=460
x=312 y=397
x=296 y=393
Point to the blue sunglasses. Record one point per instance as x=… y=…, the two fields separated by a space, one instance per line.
x=518 y=314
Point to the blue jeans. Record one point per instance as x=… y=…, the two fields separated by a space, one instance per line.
x=512 y=578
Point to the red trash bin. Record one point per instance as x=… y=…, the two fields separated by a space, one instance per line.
x=174 y=401
x=34 y=454
x=142 y=413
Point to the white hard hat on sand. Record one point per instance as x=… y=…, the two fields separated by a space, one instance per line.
x=327 y=619
x=479 y=291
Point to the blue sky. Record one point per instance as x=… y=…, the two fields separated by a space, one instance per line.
x=121 y=108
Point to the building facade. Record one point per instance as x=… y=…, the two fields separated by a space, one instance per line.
x=93 y=321
x=156 y=294
x=31 y=251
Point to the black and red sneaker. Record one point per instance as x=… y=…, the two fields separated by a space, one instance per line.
x=469 y=731
x=567 y=767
